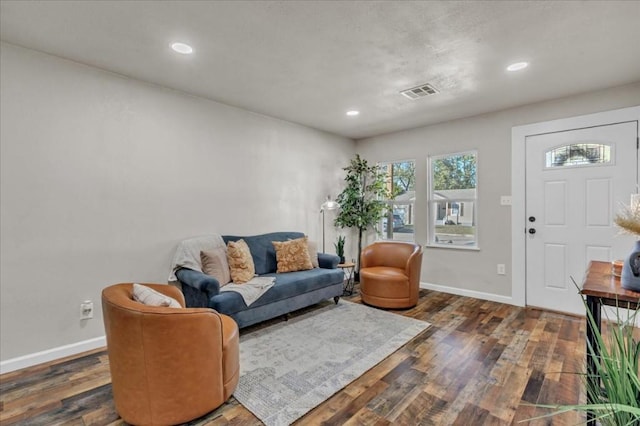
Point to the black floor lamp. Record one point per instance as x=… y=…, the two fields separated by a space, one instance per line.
x=327 y=205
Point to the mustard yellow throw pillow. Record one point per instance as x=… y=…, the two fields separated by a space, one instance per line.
x=240 y=262
x=292 y=255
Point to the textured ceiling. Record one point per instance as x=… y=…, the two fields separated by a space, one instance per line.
x=311 y=61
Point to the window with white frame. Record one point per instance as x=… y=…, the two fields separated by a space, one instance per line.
x=400 y=181
x=453 y=200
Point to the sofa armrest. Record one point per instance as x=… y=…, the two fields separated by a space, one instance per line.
x=203 y=282
x=328 y=261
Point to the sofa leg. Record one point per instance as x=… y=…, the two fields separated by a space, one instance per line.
x=336 y=298
x=285 y=317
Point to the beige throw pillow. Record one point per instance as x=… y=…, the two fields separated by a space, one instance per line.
x=240 y=262
x=292 y=255
x=150 y=297
x=313 y=253
x=215 y=264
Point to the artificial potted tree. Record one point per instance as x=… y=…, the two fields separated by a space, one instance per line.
x=361 y=204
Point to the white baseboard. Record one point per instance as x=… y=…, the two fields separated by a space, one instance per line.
x=608 y=312
x=51 y=354
x=468 y=293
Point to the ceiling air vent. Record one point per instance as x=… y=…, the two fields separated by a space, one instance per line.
x=419 y=91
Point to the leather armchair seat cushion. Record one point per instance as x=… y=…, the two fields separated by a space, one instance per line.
x=382 y=282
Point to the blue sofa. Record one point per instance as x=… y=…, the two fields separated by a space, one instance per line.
x=291 y=291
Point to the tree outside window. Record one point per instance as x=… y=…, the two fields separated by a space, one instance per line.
x=400 y=179
x=453 y=200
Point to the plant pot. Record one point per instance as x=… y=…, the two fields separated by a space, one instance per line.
x=630 y=278
x=342 y=260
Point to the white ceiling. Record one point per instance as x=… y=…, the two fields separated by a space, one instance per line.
x=311 y=61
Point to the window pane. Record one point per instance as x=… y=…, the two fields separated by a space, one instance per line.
x=453 y=200
x=401 y=217
x=454 y=172
x=455 y=223
x=578 y=155
x=400 y=181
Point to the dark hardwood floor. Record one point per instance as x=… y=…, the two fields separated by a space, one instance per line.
x=480 y=363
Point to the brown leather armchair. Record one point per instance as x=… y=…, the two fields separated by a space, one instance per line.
x=168 y=365
x=390 y=274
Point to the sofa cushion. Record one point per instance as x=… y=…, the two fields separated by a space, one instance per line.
x=293 y=255
x=215 y=264
x=288 y=284
x=313 y=253
x=240 y=262
x=262 y=250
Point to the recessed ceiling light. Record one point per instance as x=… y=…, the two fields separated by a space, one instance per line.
x=353 y=113
x=185 y=49
x=517 y=66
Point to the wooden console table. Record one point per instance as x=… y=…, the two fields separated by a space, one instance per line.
x=601 y=287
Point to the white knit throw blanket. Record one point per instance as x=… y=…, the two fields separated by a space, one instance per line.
x=188 y=253
x=252 y=289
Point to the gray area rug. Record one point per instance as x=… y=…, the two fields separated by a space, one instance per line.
x=291 y=367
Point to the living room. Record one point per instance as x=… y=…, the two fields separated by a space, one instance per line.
x=103 y=173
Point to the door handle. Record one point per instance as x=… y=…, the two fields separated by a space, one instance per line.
x=532 y=231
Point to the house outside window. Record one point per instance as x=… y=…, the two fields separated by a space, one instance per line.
x=399 y=219
x=453 y=200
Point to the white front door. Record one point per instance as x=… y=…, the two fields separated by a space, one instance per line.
x=575 y=183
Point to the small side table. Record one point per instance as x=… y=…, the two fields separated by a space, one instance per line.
x=348 y=268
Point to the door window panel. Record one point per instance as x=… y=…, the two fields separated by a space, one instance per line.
x=578 y=154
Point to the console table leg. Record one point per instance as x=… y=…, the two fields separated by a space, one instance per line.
x=593 y=380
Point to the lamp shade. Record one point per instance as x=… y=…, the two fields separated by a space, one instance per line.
x=329 y=204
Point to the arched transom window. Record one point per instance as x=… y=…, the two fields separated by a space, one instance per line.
x=578 y=154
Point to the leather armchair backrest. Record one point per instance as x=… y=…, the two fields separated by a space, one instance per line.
x=394 y=254
x=160 y=355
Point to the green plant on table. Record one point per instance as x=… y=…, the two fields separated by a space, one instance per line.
x=339 y=245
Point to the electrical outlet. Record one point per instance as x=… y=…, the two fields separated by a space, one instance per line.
x=86 y=310
x=501 y=269
x=505 y=200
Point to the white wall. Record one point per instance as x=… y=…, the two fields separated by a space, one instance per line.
x=102 y=176
x=474 y=272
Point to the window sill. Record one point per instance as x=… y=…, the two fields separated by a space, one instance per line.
x=452 y=247
x=400 y=241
